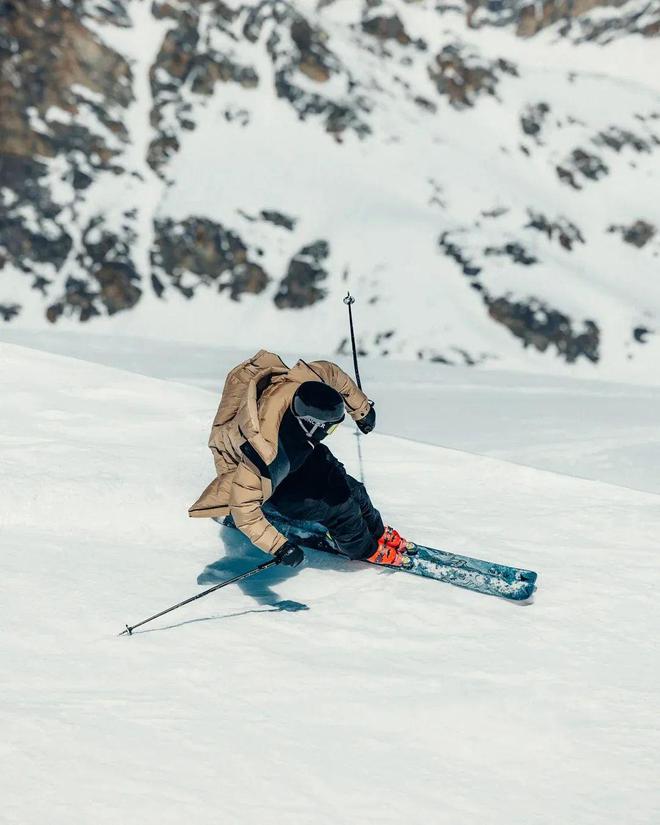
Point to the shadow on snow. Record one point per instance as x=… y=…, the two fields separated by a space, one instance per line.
x=241 y=555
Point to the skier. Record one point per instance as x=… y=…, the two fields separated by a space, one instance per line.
x=266 y=442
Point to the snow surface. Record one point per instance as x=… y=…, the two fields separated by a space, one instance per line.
x=372 y=697
x=593 y=429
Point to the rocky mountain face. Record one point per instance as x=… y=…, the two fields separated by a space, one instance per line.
x=254 y=159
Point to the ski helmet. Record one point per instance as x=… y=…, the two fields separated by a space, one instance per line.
x=319 y=409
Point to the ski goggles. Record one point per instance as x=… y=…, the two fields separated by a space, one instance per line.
x=311 y=426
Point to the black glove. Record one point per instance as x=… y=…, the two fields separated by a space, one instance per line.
x=289 y=554
x=367 y=423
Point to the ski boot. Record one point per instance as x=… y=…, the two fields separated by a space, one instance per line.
x=392 y=550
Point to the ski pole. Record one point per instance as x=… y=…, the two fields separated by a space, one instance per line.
x=349 y=300
x=264 y=566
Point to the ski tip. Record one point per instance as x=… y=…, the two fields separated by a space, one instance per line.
x=525 y=595
x=528 y=576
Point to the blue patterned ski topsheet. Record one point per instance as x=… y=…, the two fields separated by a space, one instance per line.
x=473 y=574
x=481 y=576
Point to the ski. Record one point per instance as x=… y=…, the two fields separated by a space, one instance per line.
x=489 y=578
x=481 y=576
x=472 y=574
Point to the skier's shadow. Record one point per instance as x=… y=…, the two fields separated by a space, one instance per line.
x=241 y=555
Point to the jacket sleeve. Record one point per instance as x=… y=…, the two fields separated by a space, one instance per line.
x=355 y=400
x=245 y=500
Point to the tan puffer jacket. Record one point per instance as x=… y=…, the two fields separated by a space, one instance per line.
x=255 y=397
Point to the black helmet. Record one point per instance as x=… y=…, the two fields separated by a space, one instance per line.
x=318 y=407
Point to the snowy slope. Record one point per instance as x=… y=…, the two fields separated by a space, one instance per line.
x=388 y=699
x=479 y=192
x=598 y=430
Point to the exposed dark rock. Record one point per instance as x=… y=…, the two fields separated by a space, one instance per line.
x=339 y=117
x=198 y=252
x=497 y=212
x=111 y=281
x=583 y=163
x=313 y=56
x=51 y=58
x=462 y=75
x=212 y=68
x=51 y=244
x=177 y=53
x=157 y=285
x=41 y=284
x=617 y=139
x=55 y=73
x=261 y=12
x=452 y=356
x=590 y=166
x=106 y=256
x=425 y=103
x=534 y=16
x=380 y=345
x=234 y=114
x=49 y=55
x=533 y=118
x=573 y=18
x=24 y=177
x=161 y=149
x=567 y=233
x=454 y=252
x=297 y=47
x=530 y=320
x=384 y=336
x=542 y=327
x=434 y=358
x=640 y=334
x=515 y=251
x=171 y=9
x=278 y=219
x=118 y=286
x=309 y=54
x=603 y=29
x=186 y=62
x=107 y=11
x=299 y=287
x=81 y=180
x=387 y=28
x=345 y=348
x=19 y=242
x=9 y=311
x=78 y=299
x=638 y=233
x=566 y=176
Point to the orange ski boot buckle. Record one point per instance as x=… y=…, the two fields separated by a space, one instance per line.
x=392 y=550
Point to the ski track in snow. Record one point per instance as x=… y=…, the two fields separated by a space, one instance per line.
x=329 y=694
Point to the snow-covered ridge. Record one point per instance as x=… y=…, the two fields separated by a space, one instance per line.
x=203 y=170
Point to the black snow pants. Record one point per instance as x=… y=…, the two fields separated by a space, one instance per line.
x=321 y=490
